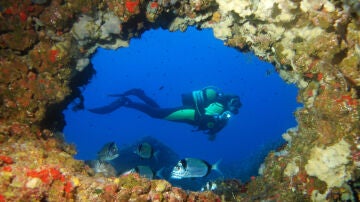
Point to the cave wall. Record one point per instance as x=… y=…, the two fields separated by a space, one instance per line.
x=45 y=48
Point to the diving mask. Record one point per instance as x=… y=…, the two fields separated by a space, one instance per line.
x=234 y=104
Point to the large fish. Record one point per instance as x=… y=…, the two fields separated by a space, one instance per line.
x=108 y=152
x=145 y=151
x=192 y=168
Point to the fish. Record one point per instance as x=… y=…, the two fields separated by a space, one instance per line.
x=209 y=186
x=108 y=152
x=146 y=151
x=144 y=171
x=101 y=167
x=193 y=168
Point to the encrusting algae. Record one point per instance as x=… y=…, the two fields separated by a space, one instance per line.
x=44 y=55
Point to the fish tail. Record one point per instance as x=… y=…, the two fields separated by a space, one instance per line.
x=159 y=173
x=215 y=167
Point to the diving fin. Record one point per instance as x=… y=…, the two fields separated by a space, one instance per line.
x=133 y=91
x=111 y=107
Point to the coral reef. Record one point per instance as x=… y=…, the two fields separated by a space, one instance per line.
x=45 y=46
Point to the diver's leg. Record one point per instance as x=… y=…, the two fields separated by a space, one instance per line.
x=141 y=95
x=111 y=107
x=179 y=114
x=154 y=112
x=132 y=91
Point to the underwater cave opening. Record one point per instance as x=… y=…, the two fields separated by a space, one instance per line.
x=167 y=64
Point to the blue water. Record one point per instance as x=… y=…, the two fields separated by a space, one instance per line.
x=166 y=64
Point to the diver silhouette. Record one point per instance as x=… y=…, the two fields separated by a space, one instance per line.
x=208 y=109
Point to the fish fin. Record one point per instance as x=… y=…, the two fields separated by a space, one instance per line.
x=115 y=95
x=156 y=155
x=216 y=167
x=109 y=108
x=159 y=173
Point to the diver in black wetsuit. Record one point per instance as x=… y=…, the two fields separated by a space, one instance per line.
x=208 y=109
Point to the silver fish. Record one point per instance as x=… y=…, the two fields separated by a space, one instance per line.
x=209 y=186
x=192 y=167
x=108 y=152
x=102 y=167
x=145 y=151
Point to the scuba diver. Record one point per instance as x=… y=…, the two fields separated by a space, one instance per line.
x=208 y=109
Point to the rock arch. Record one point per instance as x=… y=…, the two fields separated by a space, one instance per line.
x=45 y=50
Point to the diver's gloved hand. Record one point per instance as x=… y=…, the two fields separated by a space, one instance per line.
x=219 y=123
x=212 y=124
x=226 y=115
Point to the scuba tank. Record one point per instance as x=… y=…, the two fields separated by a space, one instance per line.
x=200 y=99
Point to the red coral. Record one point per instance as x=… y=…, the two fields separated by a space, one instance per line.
x=131 y=5
x=8 y=11
x=22 y=16
x=309 y=75
x=30 y=8
x=16 y=129
x=53 y=55
x=310 y=186
x=68 y=187
x=348 y=99
x=6 y=159
x=2 y=198
x=320 y=76
x=154 y=4
x=43 y=175
x=56 y=174
x=47 y=175
x=7 y=168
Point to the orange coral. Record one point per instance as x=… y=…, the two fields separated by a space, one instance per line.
x=56 y=174
x=22 y=16
x=52 y=55
x=320 y=76
x=43 y=175
x=154 y=4
x=6 y=159
x=348 y=99
x=46 y=175
x=7 y=168
x=68 y=187
x=131 y=5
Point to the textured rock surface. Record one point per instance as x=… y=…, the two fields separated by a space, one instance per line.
x=44 y=51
